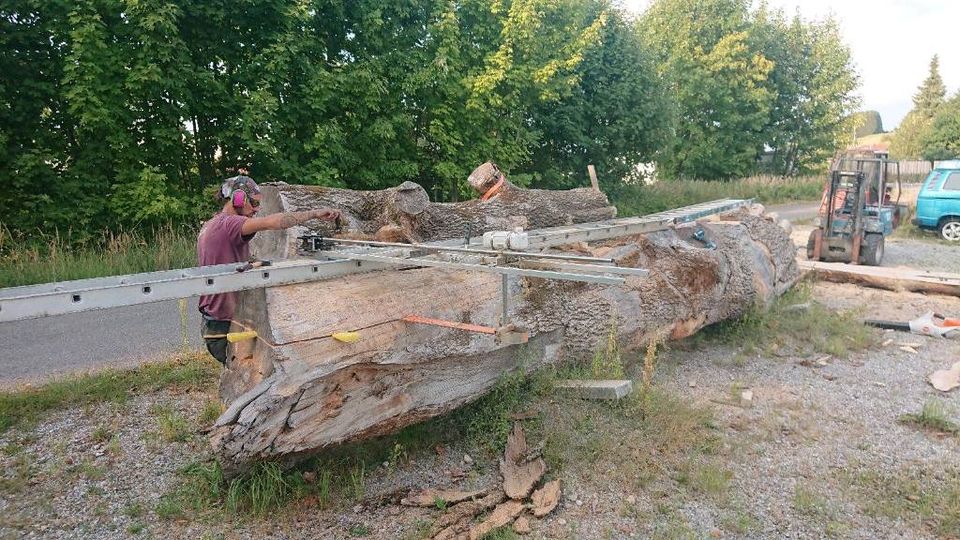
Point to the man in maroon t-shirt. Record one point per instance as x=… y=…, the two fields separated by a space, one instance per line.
x=225 y=239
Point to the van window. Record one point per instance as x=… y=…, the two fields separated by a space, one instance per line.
x=953 y=182
x=932 y=181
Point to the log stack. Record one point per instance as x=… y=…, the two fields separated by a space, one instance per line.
x=297 y=389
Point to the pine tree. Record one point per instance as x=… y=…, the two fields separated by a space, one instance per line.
x=908 y=139
x=932 y=93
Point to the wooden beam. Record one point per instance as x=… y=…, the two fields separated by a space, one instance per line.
x=592 y=171
x=891 y=279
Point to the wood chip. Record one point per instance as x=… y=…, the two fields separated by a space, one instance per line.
x=910 y=350
x=546 y=498
x=457 y=520
x=521 y=525
x=502 y=515
x=429 y=497
x=519 y=476
x=886 y=342
x=946 y=380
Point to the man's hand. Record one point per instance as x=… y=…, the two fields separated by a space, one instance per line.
x=285 y=220
x=326 y=214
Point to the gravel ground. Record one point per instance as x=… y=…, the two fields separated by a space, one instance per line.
x=798 y=460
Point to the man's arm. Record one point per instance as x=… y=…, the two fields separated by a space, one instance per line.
x=285 y=220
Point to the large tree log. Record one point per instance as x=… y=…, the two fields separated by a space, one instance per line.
x=297 y=390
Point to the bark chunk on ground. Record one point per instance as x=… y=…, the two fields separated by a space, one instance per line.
x=520 y=475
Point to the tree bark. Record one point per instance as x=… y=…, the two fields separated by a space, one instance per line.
x=296 y=389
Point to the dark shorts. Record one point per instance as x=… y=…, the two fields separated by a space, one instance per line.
x=216 y=345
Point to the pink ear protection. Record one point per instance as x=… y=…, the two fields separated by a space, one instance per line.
x=239 y=197
x=238 y=189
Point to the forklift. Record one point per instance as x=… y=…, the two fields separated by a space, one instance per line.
x=857 y=210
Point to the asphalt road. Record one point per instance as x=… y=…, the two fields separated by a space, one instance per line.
x=37 y=349
x=795 y=211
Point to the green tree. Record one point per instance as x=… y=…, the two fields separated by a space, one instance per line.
x=718 y=79
x=35 y=127
x=942 y=139
x=615 y=118
x=932 y=92
x=868 y=123
x=813 y=81
x=908 y=138
x=122 y=113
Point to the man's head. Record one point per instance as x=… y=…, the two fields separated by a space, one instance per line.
x=241 y=194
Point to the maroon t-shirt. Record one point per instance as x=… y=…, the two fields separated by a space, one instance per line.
x=221 y=241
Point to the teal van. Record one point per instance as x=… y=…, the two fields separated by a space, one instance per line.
x=938 y=204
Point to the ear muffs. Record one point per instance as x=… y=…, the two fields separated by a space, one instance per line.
x=239 y=198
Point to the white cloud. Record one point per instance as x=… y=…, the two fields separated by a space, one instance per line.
x=892 y=42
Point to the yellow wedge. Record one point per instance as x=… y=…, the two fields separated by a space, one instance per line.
x=346 y=337
x=234 y=337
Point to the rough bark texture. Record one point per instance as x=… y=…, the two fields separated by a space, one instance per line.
x=405 y=213
x=296 y=390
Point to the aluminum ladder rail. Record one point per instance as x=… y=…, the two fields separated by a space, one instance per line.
x=614 y=228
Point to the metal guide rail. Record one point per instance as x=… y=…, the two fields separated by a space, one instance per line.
x=338 y=257
x=613 y=228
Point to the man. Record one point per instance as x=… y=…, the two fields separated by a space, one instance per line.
x=225 y=239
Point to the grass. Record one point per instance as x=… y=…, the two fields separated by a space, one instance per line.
x=933 y=417
x=264 y=489
x=918 y=496
x=707 y=478
x=794 y=325
x=503 y=533
x=102 y=434
x=632 y=200
x=193 y=371
x=172 y=425
x=212 y=410
x=607 y=362
x=647 y=436
x=809 y=502
x=52 y=258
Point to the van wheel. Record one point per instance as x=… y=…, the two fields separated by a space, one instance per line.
x=871 y=254
x=950 y=229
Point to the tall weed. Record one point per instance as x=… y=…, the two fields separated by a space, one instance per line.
x=55 y=257
x=640 y=199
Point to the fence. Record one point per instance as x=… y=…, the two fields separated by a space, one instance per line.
x=916 y=167
x=919 y=167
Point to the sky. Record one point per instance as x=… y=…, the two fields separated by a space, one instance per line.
x=891 y=41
